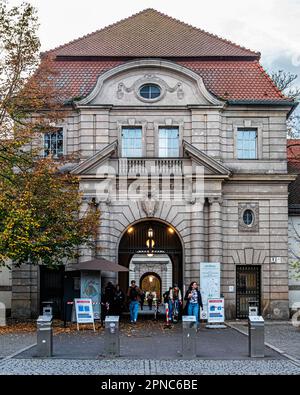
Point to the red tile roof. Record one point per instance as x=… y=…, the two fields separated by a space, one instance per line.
x=152 y=34
x=229 y=80
x=229 y=71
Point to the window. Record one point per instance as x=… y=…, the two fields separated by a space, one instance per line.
x=168 y=142
x=132 y=142
x=247 y=144
x=248 y=217
x=150 y=91
x=53 y=144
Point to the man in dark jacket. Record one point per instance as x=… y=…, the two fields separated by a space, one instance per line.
x=194 y=301
x=134 y=296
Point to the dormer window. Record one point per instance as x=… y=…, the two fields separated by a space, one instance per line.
x=150 y=91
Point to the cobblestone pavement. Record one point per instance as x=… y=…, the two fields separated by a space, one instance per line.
x=139 y=342
x=281 y=335
x=146 y=367
x=14 y=342
x=219 y=352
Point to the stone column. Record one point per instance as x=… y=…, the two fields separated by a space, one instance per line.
x=105 y=243
x=197 y=252
x=215 y=230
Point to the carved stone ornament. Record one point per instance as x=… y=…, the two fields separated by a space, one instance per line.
x=150 y=206
x=150 y=79
x=254 y=208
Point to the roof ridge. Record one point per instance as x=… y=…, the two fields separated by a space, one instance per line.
x=96 y=31
x=161 y=14
x=205 y=32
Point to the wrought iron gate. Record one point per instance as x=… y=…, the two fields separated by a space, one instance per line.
x=248 y=289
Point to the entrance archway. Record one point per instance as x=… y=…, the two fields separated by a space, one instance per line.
x=151 y=282
x=152 y=239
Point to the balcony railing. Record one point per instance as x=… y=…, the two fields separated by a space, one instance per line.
x=153 y=166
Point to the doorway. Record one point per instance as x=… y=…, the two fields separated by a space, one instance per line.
x=152 y=239
x=151 y=283
x=248 y=289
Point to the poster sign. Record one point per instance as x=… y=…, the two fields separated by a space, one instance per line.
x=90 y=288
x=215 y=310
x=84 y=311
x=210 y=284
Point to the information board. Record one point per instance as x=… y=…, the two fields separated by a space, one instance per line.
x=210 y=284
x=90 y=288
x=84 y=311
x=216 y=314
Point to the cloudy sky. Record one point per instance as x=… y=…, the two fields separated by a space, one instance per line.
x=269 y=26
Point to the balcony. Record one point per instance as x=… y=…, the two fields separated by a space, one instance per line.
x=154 y=166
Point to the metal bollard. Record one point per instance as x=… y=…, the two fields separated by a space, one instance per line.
x=44 y=336
x=2 y=314
x=112 y=337
x=256 y=337
x=189 y=331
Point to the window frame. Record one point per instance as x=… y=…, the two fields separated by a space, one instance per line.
x=247 y=129
x=170 y=127
x=63 y=152
x=149 y=84
x=132 y=127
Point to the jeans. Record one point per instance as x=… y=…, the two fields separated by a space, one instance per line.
x=134 y=309
x=193 y=309
x=170 y=304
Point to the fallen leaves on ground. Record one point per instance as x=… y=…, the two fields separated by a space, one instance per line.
x=140 y=329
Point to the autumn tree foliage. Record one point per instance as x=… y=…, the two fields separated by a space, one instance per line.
x=285 y=81
x=42 y=220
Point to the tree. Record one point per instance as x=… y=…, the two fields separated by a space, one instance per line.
x=41 y=217
x=284 y=80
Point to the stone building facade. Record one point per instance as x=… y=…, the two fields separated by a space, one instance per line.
x=154 y=96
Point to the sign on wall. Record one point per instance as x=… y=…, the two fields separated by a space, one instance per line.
x=210 y=284
x=90 y=285
x=215 y=308
x=84 y=311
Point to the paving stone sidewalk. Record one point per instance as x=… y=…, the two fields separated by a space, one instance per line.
x=281 y=335
x=146 y=367
x=152 y=351
x=14 y=342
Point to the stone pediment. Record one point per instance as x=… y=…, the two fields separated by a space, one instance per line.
x=211 y=166
x=179 y=86
x=87 y=166
x=104 y=163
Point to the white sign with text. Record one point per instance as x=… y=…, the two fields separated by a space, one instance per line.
x=210 y=284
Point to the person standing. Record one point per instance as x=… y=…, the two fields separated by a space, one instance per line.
x=194 y=301
x=119 y=299
x=143 y=296
x=168 y=304
x=107 y=301
x=150 y=300
x=134 y=296
x=175 y=302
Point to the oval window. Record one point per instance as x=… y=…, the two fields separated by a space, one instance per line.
x=150 y=91
x=248 y=217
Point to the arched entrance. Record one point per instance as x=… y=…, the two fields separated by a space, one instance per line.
x=152 y=241
x=151 y=282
